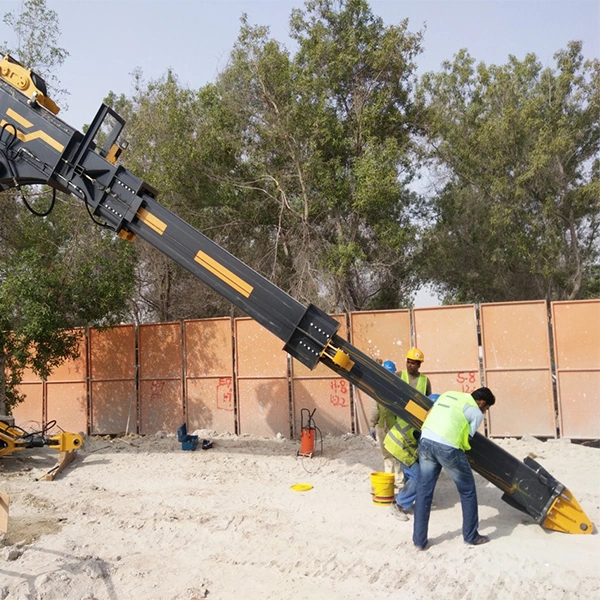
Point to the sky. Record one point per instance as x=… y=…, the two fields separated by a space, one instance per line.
x=108 y=39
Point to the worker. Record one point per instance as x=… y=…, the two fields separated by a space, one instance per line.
x=402 y=439
x=452 y=420
x=412 y=374
x=381 y=420
x=401 y=442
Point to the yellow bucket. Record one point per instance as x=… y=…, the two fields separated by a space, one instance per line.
x=382 y=488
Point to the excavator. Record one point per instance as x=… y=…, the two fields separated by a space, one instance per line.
x=36 y=147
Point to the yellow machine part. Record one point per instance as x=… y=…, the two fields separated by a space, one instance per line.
x=21 y=78
x=9 y=441
x=566 y=515
x=65 y=441
x=339 y=357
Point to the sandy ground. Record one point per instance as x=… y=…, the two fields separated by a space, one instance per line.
x=138 y=518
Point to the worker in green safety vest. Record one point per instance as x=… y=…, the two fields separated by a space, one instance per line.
x=445 y=433
x=402 y=439
x=381 y=420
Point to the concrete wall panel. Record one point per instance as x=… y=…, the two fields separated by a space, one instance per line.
x=67 y=404
x=516 y=360
x=66 y=393
x=210 y=399
x=75 y=369
x=161 y=405
x=577 y=334
x=160 y=351
x=261 y=381
x=113 y=385
x=523 y=404
x=29 y=414
x=210 y=404
x=447 y=335
x=208 y=348
x=461 y=381
x=113 y=407
x=161 y=377
x=258 y=352
x=263 y=407
x=577 y=352
x=331 y=399
x=579 y=393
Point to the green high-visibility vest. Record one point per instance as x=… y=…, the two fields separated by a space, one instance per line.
x=421 y=382
x=446 y=418
x=386 y=418
x=400 y=442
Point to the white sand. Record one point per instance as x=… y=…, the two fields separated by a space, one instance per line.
x=142 y=519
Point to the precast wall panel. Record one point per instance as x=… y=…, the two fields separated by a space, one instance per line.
x=516 y=362
x=160 y=352
x=113 y=381
x=209 y=391
x=261 y=380
x=29 y=414
x=382 y=335
x=577 y=354
x=66 y=393
x=324 y=391
x=447 y=336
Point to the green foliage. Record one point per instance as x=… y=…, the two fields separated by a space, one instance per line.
x=57 y=274
x=36 y=32
x=516 y=147
x=313 y=154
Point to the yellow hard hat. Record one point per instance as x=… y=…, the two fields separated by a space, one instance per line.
x=415 y=354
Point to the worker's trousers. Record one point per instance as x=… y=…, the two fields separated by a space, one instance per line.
x=407 y=495
x=434 y=456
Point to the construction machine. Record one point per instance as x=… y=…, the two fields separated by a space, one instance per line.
x=14 y=438
x=36 y=147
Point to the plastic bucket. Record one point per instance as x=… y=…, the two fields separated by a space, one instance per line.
x=382 y=488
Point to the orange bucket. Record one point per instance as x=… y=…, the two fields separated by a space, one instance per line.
x=382 y=488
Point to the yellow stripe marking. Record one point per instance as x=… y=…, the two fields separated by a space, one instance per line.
x=35 y=135
x=414 y=409
x=18 y=118
x=153 y=222
x=231 y=279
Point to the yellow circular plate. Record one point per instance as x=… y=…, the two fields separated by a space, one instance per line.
x=302 y=487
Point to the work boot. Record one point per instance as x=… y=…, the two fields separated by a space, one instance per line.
x=399 y=512
x=481 y=539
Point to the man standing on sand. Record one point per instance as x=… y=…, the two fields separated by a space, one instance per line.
x=444 y=440
x=402 y=439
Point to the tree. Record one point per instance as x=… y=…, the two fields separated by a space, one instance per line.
x=315 y=150
x=298 y=165
x=58 y=273
x=516 y=152
x=36 y=29
x=164 y=121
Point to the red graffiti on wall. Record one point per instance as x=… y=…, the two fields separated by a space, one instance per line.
x=225 y=394
x=339 y=392
x=156 y=389
x=467 y=381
